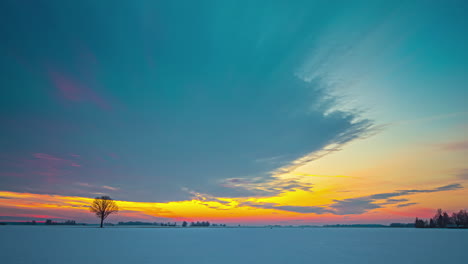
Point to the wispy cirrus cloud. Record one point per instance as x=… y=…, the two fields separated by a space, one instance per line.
x=353 y=206
x=264 y=186
x=84 y=184
x=13 y=174
x=462 y=174
x=96 y=187
x=48 y=165
x=241 y=114
x=454 y=146
x=46 y=157
x=361 y=205
x=27 y=167
x=274 y=183
x=53 y=161
x=406 y=204
x=358 y=205
x=396 y=200
x=75 y=91
x=110 y=188
x=296 y=209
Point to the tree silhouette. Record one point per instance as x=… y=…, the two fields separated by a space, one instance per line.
x=104 y=206
x=419 y=223
x=460 y=218
x=442 y=220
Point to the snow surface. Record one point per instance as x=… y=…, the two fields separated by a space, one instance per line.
x=54 y=244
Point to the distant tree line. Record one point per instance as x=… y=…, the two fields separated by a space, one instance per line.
x=147 y=223
x=201 y=224
x=46 y=222
x=50 y=222
x=19 y=223
x=356 y=225
x=220 y=225
x=402 y=225
x=184 y=224
x=443 y=220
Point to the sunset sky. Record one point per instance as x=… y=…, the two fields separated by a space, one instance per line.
x=236 y=112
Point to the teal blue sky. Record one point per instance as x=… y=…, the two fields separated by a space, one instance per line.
x=155 y=100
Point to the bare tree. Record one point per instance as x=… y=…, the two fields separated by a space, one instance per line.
x=104 y=206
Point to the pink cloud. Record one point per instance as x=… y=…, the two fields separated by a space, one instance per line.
x=59 y=161
x=455 y=146
x=42 y=164
x=75 y=91
x=84 y=184
x=12 y=174
x=51 y=173
x=113 y=155
x=97 y=188
x=110 y=188
x=68 y=88
x=32 y=216
x=45 y=156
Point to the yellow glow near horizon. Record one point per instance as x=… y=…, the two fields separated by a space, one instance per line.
x=361 y=169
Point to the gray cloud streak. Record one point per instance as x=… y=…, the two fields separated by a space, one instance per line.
x=358 y=205
x=405 y=205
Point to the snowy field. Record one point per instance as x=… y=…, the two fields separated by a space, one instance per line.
x=68 y=245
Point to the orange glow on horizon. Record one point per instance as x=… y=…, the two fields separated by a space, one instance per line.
x=71 y=207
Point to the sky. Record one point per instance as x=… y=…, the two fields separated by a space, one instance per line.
x=237 y=112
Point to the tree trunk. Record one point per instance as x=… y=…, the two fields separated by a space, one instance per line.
x=102 y=220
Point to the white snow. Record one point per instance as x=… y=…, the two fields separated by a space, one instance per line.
x=54 y=244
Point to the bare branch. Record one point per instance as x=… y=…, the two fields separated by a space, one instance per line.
x=103 y=207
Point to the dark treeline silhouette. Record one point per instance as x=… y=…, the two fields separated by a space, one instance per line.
x=200 y=223
x=166 y=224
x=443 y=220
x=356 y=225
x=147 y=223
x=174 y=224
x=50 y=222
x=220 y=225
x=402 y=225
x=46 y=222
x=21 y=223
